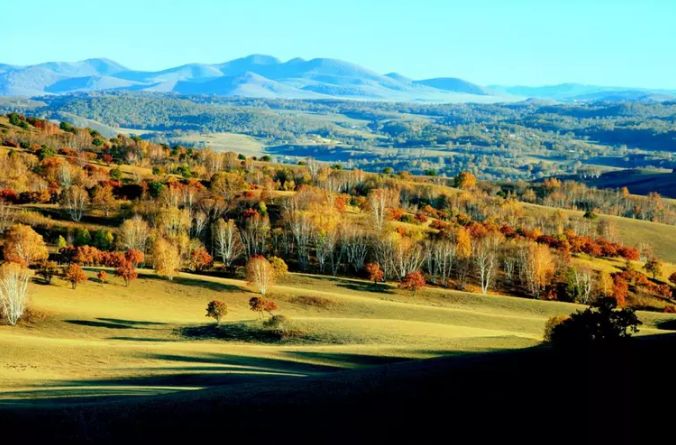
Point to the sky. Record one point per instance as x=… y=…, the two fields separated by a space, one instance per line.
x=517 y=42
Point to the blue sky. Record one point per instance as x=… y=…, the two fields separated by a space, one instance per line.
x=620 y=43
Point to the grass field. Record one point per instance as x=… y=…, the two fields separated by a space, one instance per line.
x=153 y=337
x=224 y=142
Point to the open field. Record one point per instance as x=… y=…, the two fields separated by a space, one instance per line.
x=223 y=142
x=153 y=338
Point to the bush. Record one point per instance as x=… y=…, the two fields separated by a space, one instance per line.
x=276 y=322
x=598 y=325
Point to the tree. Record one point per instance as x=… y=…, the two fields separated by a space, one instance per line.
x=260 y=274
x=102 y=276
x=75 y=275
x=6 y=216
x=672 y=278
x=620 y=290
x=14 y=279
x=75 y=200
x=217 y=310
x=413 y=281
x=200 y=259
x=463 y=243
x=227 y=241
x=375 y=273
x=379 y=200
x=126 y=270
x=465 y=180
x=47 y=270
x=599 y=325
x=166 y=259
x=279 y=267
x=133 y=234
x=485 y=259
x=539 y=268
x=260 y=305
x=104 y=199
x=654 y=267
x=579 y=285
x=24 y=246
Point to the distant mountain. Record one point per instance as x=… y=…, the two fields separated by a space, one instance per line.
x=267 y=77
x=580 y=92
x=252 y=76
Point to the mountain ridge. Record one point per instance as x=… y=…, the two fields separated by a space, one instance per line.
x=265 y=76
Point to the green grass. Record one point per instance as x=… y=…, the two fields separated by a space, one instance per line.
x=102 y=340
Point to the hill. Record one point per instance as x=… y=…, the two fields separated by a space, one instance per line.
x=638 y=181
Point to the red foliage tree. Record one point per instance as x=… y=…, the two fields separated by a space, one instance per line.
x=75 y=275
x=620 y=289
x=413 y=281
x=126 y=270
x=200 y=259
x=375 y=273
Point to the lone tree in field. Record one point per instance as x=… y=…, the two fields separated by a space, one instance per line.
x=13 y=290
x=47 y=270
x=166 y=260
x=102 y=276
x=75 y=275
x=260 y=274
x=25 y=246
x=413 y=281
x=126 y=270
x=217 y=310
x=375 y=273
x=260 y=305
x=654 y=267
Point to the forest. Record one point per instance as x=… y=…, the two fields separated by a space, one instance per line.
x=526 y=140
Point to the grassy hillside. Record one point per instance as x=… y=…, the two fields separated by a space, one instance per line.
x=153 y=337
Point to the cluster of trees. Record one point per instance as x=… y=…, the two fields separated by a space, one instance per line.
x=192 y=208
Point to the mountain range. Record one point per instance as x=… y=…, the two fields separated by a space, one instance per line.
x=267 y=77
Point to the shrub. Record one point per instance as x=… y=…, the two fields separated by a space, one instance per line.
x=260 y=305
x=598 y=325
x=374 y=272
x=217 y=310
x=413 y=281
x=276 y=322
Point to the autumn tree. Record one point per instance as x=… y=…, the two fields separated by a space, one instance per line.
x=538 y=267
x=465 y=180
x=375 y=273
x=104 y=199
x=279 y=267
x=6 y=216
x=227 y=241
x=102 y=276
x=47 y=270
x=260 y=305
x=654 y=267
x=413 y=281
x=485 y=258
x=75 y=275
x=14 y=280
x=260 y=274
x=620 y=290
x=126 y=269
x=200 y=259
x=379 y=200
x=24 y=246
x=166 y=260
x=217 y=309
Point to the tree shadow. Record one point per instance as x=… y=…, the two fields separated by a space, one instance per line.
x=132 y=322
x=100 y=324
x=250 y=332
x=366 y=287
x=185 y=281
x=351 y=359
x=667 y=325
x=142 y=339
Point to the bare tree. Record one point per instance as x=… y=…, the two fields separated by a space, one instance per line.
x=355 y=245
x=13 y=290
x=441 y=257
x=133 y=234
x=6 y=216
x=254 y=232
x=227 y=239
x=485 y=259
x=75 y=199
